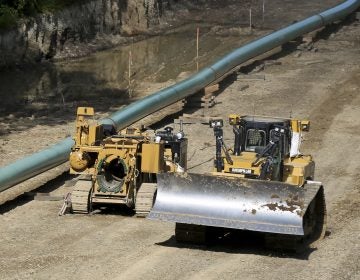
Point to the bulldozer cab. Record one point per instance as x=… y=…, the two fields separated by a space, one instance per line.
x=254 y=133
x=261 y=145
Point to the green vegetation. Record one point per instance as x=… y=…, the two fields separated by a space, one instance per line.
x=12 y=10
x=8 y=16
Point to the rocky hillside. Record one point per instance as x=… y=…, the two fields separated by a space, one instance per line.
x=92 y=25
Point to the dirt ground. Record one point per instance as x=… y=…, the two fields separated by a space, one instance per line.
x=321 y=85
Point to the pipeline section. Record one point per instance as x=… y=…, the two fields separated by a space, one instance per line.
x=30 y=166
x=35 y=164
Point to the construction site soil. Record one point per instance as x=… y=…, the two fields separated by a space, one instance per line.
x=319 y=82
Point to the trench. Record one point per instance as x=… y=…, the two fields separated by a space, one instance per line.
x=53 y=91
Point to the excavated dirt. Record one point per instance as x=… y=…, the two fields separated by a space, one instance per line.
x=321 y=85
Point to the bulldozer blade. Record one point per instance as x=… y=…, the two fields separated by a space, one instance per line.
x=238 y=203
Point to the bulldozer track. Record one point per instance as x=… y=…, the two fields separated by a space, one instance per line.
x=315 y=189
x=316 y=208
x=145 y=199
x=80 y=197
x=314 y=223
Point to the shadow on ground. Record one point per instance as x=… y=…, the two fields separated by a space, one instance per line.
x=241 y=242
x=50 y=186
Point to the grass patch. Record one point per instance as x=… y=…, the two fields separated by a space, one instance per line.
x=8 y=16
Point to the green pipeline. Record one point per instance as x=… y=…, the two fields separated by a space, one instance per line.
x=30 y=166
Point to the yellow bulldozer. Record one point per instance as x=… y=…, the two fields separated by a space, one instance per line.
x=120 y=167
x=262 y=184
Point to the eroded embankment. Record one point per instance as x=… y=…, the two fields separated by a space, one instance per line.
x=94 y=25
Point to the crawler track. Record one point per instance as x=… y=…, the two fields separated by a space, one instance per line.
x=145 y=199
x=80 y=197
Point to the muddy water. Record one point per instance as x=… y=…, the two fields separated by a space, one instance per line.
x=102 y=79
